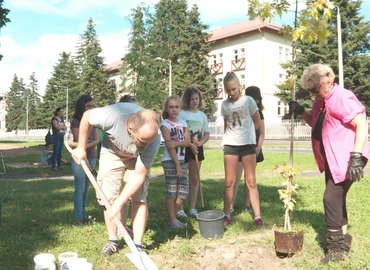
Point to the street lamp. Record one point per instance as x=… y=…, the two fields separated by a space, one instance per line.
x=170 y=84
x=340 y=54
x=27 y=119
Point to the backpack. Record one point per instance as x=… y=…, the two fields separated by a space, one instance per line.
x=49 y=139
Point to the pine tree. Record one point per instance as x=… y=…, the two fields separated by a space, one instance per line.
x=34 y=101
x=63 y=79
x=15 y=108
x=173 y=35
x=93 y=78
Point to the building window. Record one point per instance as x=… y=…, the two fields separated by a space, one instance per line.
x=280 y=54
x=242 y=81
x=287 y=55
x=220 y=57
x=281 y=76
x=219 y=83
x=279 y=109
x=236 y=54
x=242 y=53
x=214 y=59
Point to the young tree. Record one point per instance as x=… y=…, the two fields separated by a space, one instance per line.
x=356 y=61
x=3 y=18
x=15 y=107
x=93 y=78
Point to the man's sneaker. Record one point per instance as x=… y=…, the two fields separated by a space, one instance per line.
x=193 y=212
x=176 y=224
x=227 y=220
x=109 y=249
x=140 y=248
x=129 y=231
x=181 y=213
x=249 y=208
x=259 y=223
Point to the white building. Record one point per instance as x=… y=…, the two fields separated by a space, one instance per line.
x=2 y=110
x=251 y=49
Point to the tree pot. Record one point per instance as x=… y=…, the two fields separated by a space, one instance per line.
x=288 y=243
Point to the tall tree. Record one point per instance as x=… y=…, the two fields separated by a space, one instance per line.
x=32 y=97
x=139 y=67
x=63 y=79
x=3 y=18
x=93 y=78
x=171 y=36
x=15 y=109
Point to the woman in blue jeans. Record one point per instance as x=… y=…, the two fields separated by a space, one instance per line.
x=59 y=128
x=85 y=102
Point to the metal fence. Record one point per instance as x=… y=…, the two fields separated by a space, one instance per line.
x=277 y=131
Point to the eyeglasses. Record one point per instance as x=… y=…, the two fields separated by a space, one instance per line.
x=314 y=90
x=90 y=106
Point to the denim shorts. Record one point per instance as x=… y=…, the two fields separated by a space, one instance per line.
x=240 y=150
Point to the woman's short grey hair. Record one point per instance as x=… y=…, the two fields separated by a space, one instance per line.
x=316 y=74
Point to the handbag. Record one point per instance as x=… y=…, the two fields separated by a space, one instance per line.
x=260 y=157
x=49 y=139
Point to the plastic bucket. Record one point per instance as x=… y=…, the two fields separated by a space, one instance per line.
x=44 y=261
x=211 y=223
x=65 y=258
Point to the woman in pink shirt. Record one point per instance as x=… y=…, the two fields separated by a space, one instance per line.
x=340 y=147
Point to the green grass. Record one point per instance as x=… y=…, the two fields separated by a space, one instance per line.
x=37 y=216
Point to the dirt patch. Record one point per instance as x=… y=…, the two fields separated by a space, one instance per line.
x=246 y=252
x=9 y=150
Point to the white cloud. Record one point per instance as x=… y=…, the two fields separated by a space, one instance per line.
x=43 y=54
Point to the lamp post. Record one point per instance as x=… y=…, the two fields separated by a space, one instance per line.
x=27 y=119
x=170 y=79
x=67 y=105
x=340 y=54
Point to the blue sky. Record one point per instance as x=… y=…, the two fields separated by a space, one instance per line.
x=41 y=29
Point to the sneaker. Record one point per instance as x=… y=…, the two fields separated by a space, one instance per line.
x=249 y=208
x=176 y=224
x=259 y=223
x=129 y=231
x=81 y=222
x=227 y=220
x=140 y=248
x=193 y=212
x=232 y=210
x=109 y=249
x=181 y=213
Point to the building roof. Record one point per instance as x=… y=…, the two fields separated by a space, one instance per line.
x=114 y=66
x=240 y=28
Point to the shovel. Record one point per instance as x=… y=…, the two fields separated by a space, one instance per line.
x=140 y=259
x=200 y=182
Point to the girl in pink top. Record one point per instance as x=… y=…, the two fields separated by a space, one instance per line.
x=340 y=147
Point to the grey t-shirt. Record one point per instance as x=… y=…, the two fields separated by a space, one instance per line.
x=113 y=120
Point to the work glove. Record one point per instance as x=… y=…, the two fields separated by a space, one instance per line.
x=356 y=166
x=296 y=108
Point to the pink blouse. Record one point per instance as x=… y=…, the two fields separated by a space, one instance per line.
x=338 y=134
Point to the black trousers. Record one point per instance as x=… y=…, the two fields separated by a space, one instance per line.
x=335 y=202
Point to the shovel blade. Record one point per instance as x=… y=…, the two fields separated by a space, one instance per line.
x=142 y=263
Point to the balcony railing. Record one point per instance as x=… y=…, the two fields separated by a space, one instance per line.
x=238 y=64
x=217 y=68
